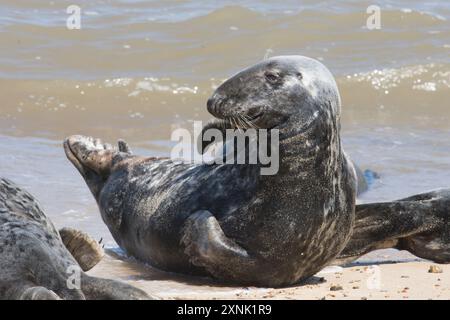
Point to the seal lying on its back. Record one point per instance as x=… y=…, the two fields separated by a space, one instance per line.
x=229 y=221
x=34 y=262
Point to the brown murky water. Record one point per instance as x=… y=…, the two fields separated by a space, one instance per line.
x=138 y=69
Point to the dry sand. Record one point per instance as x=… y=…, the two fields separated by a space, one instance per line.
x=404 y=280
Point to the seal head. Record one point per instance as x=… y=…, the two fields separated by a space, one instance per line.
x=275 y=91
x=94 y=159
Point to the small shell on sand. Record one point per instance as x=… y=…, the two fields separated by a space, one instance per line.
x=435 y=269
x=336 y=287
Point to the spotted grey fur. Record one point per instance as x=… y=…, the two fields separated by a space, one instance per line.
x=419 y=224
x=35 y=264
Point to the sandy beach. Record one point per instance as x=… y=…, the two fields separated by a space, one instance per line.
x=388 y=280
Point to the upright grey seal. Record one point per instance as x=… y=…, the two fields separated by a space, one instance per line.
x=229 y=221
x=34 y=262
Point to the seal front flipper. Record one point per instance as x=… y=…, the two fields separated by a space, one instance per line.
x=105 y=289
x=207 y=246
x=30 y=292
x=124 y=146
x=19 y=289
x=419 y=224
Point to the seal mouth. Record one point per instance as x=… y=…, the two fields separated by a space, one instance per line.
x=72 y=156
x=238 y=119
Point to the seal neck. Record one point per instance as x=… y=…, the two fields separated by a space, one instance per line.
x=313 y=148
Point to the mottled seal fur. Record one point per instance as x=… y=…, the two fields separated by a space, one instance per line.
x=419 y=224
x=34 y=262
x=229 y=221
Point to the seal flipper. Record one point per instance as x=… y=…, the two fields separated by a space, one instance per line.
x=25 y=290
x=104 y=289
x=86 y=251
x=419 y=224
x=36 y=293
x=207 y=246
x=124 y=146
x=364 y=179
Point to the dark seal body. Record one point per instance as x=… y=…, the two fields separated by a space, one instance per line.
x=292 y=224
x=34 y=262
x=229 y=221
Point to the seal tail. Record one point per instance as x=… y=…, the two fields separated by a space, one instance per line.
x=419 y=224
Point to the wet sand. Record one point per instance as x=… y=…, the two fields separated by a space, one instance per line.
x=387 y=280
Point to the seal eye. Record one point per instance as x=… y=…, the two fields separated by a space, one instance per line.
x=271 y=77
x=299 y=75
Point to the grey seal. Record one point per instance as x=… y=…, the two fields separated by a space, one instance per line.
x=229 y=221
x=35 y=263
